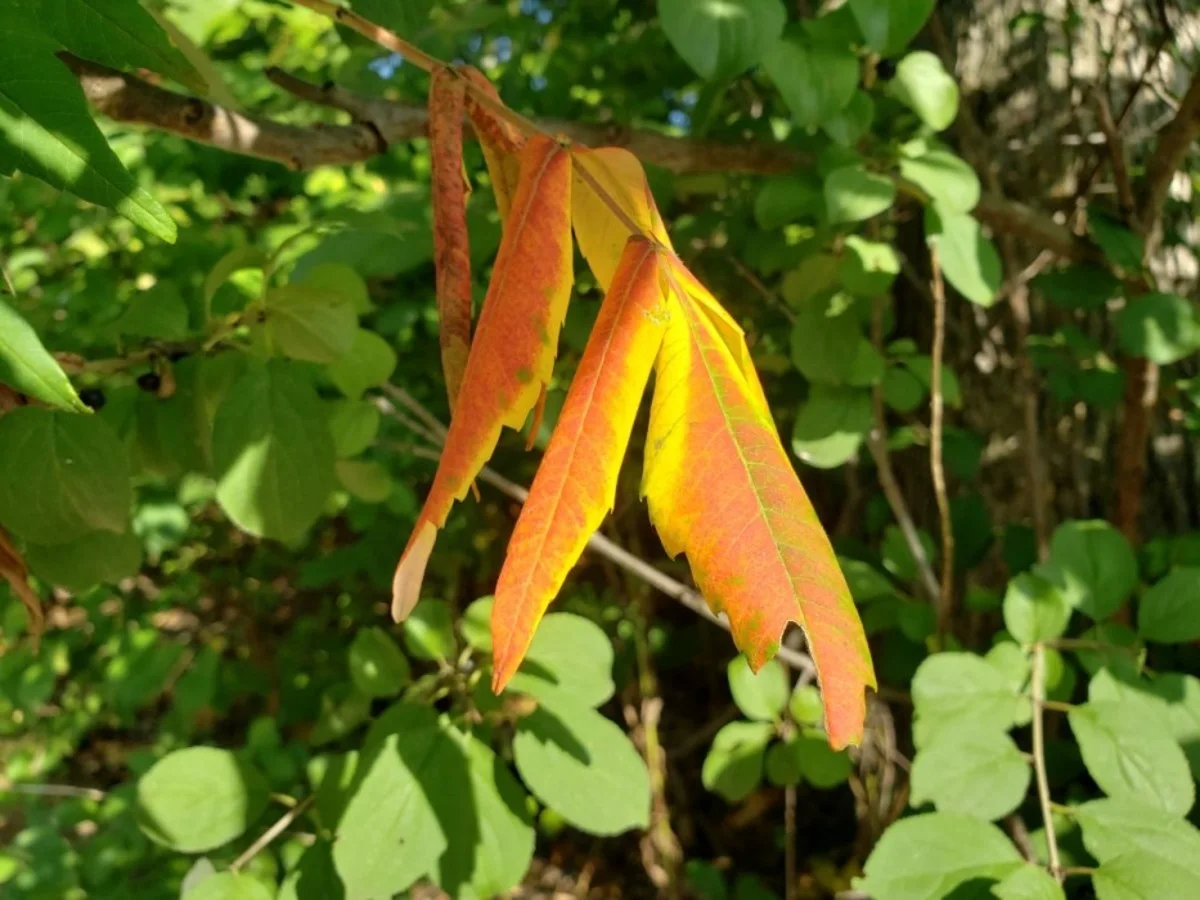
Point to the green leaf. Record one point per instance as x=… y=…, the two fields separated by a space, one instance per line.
x=583 y=767
x=332 y=778
x=570 y=657
x=898 y=556
x=245 y=257
x=308 y=323
x=805 y=705
x=850 y=125
x=733 y=767
x=314 y=876
x=902 y=390
x=453 y=807
x=759 y=696
x=1093 y=566
x=1113 y=826
x=822 y=766
x=952 y=185
x=889 y=25
x=64 y=475
x=825 y=342
x=831 y=426
x=1181 y=696
x=923 y=85
x=922 y=367
x=428 y=631
x=97 y=557
x=343 y=709
x=1142 y=876
x=158 y=313
x=354 y=425
x=950 y=689
x=1130 y=754
x=1029 y=883
x=339 y=280
x=975 y=772
x=476 y=624
x=199 y=798
x=46 y=130
x=27 y=366
x=953 y=849
x=1169 y=612
x=816 y=79
x=377 y=667
x=370 y=363
x=1079 y=287
x=117 y=33
x=853 y=194
x=367 y=480
x=814 y=276
x=782 y=763
x=968 y=259
x=1034 y=609
x=230 y=886
x=705 y=880
x=868 y=268
x=1161 y=327
x=721 y=39
x=1122 y=247
x=272 y=452
x=788 y=198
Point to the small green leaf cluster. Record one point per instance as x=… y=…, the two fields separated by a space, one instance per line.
x=781 y=737
x=978 y=730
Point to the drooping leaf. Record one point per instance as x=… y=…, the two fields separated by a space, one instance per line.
x=968 y=259
x=576 y=483
x=720 y=39
x=512 y=357
x=117 y=33
x=604 y=175
x=27 y=366
x=47 y=131
x=273 y=452
x=64 y=475
x=721 y=490
x=500 y=141
x=199 y=798
x=954 y=849
x=451 y=245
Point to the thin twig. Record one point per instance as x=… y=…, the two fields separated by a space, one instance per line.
x=877 y=445
x=789 y=848
x=53 y=790
x=273 y=832
x=1038 y=688
x=945 y=611
x=1116 y=155
x=598 y=543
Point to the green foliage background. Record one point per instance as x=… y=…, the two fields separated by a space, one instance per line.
x=221 y=412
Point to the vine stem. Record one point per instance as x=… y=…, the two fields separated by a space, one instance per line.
x=937 y=405
x=389 y=40
x=273 y=832
x=1038 y=688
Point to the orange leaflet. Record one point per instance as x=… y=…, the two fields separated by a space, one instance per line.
x=721 y=490
x=500 y=141
x=512 y=357
x=451 y=246
x=600 y=232
x=577 y=481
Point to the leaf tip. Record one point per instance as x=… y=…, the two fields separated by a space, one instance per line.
x=410 y=571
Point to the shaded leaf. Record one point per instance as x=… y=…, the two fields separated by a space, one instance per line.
x=720 y=39
x=832 y=425
x=1161 y=327
x=27 y=366
x=950 y=182
x=888 y=25
x=369 y=363
x=816 y=78
x=308 y=324
x=1093 y=566
x=968 y=259
x=1170 y=611
x=733 y=767
x=923 y=85
x=853 y=194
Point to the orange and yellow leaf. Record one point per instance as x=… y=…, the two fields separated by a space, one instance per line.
x=500 y=141
x=512 y=357
x=451 y=245
x=601 y=233
x=576 y=483
x=721 y=490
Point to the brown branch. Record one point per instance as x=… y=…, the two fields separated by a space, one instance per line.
x=1116 y=155
x=1174 y=142
x=945 y=606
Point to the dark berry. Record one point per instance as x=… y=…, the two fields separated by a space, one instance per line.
x=149 y=382
x=93 y=398
x=885 y=69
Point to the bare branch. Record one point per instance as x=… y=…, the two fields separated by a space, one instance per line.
x=945 y=606
x=1174 y=142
